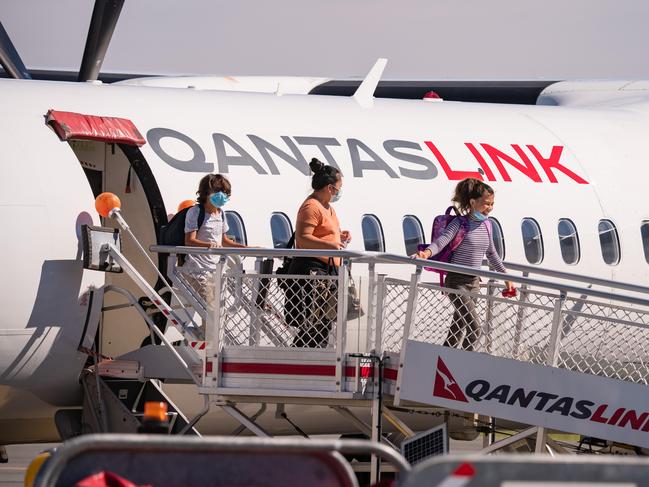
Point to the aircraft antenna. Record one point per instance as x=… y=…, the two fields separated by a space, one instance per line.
x=365 y=93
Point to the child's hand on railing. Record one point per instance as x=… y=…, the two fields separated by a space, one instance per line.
x=510 y=290
x=423 y=254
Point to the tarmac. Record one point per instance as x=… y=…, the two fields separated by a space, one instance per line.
x=12 y=474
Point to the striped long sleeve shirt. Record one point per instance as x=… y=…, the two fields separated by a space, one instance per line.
x=476 y=244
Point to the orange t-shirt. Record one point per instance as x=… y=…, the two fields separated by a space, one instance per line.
x=324 y=222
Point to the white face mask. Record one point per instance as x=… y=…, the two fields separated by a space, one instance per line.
x=339 y=193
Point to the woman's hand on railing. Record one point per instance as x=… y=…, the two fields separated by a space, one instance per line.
x=345 y=238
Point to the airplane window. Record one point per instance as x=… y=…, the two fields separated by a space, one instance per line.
x=237 y=231
x=372 y=234
x=609 y=242
x=281 y=229
x=413 y=233
x=498 y=237
x=532 y=241
x=568 y=241
x=644 y=231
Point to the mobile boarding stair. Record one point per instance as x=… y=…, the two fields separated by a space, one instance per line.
x=560 y=329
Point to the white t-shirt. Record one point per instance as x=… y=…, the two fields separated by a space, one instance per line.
x=212 y=230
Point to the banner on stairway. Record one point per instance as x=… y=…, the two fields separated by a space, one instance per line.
x=531 y=394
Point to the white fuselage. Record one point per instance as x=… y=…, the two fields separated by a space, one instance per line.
x=398 y=158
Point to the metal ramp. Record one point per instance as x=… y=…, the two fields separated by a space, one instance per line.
x=258 y=323
x=551 y=324
x=115 y=390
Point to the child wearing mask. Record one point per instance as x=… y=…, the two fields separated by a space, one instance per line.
x=475 y=199
x=214 y=191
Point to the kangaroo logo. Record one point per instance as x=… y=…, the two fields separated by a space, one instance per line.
x=445 y=385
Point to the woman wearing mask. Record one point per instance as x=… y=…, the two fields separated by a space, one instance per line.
x=474 y=199
x=317 y=227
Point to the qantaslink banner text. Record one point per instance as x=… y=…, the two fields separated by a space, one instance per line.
x=532 y=394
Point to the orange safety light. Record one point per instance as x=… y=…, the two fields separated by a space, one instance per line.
x=155 y=411
x=107 y=202
x=185 y=204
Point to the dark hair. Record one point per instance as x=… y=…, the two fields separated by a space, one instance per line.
x=469 y=189
x=323 y=175
x=212 y=183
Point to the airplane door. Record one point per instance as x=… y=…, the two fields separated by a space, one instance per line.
x=113 y=164
x=123 y=329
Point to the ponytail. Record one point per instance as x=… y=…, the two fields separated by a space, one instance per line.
x=469 y=189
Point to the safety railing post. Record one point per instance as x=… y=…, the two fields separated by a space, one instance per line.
x=520 y=316
x=411 y=315
x=341 y=323
x=491 y=290
x=213 y=328
x=254 y=329
x=551 y=359
x=377 y=344
x=371 y=307
x=555 y=335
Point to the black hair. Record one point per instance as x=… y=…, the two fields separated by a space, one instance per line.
x=323 y=175
x=469 y=189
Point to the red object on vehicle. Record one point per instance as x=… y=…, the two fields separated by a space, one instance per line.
x=70 y=125
x=106 y=479
x=509 y=293
x=432 y=96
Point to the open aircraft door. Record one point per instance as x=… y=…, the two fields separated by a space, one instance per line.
x=108 y=151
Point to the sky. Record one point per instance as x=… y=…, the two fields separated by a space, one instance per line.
x=422 y=39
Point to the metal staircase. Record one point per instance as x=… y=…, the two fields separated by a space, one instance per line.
x=250 y=353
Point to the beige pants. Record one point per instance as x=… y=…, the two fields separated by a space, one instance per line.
x=203 y=284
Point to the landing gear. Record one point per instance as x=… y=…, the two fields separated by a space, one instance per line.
x=4 y=458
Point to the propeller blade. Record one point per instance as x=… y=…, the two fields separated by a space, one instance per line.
x=102 y=26
x=10 y=59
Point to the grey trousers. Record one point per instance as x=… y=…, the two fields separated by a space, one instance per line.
x=465 y=317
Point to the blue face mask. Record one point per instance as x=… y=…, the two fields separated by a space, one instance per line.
x=219 y=199
x=337 y=196
x=479 y=216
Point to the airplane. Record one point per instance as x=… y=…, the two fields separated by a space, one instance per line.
x=569 y=176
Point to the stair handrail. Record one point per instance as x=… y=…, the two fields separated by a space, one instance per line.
x=387 y=258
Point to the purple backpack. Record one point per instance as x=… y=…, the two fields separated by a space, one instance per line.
x=439 y=225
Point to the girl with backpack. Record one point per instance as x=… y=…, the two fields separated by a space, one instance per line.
x=474 y=200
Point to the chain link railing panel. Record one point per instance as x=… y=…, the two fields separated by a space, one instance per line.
x=279 y=311
x=584 y=330
x=597 y=338
x=606 y=340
